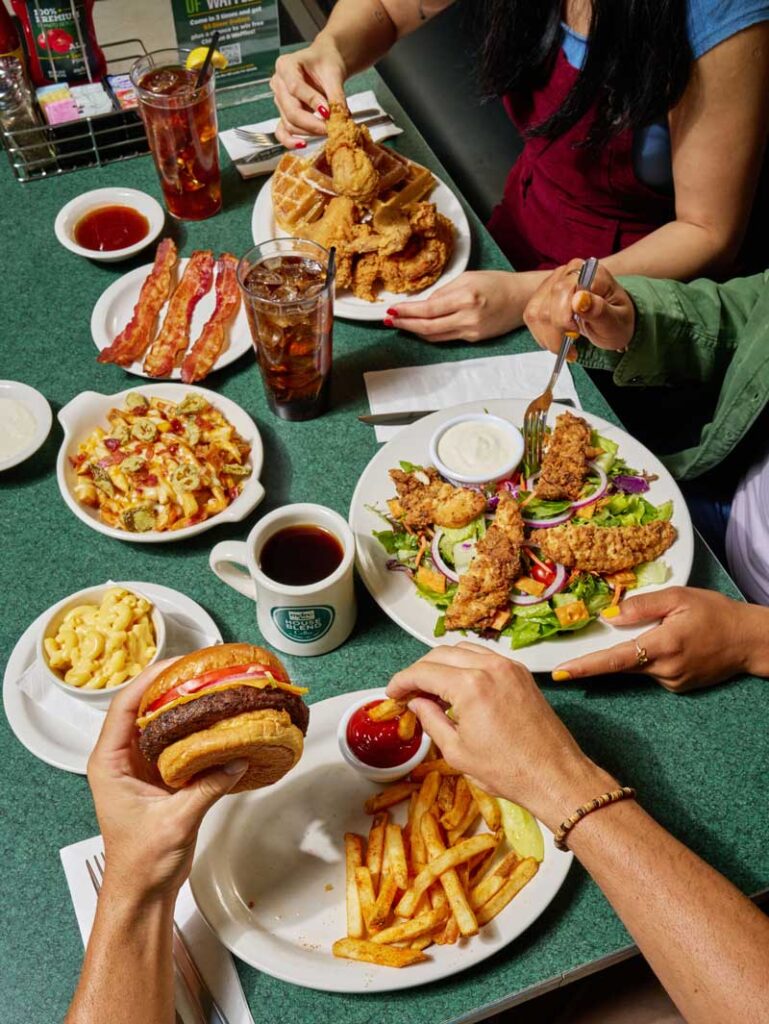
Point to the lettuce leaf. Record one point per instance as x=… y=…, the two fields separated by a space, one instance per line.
x=396 y=541
x=628 y=510
x=450 y=538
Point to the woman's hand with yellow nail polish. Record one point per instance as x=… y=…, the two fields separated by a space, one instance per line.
x=701 y=638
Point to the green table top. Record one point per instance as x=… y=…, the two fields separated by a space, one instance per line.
x=681 y=753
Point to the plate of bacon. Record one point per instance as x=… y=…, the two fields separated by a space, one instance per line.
x=175 y=319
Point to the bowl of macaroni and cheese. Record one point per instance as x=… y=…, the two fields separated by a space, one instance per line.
x=99 y=639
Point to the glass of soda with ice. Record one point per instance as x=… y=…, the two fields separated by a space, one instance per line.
x=289 y=299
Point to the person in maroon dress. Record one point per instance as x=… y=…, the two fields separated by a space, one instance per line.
x=644 y=129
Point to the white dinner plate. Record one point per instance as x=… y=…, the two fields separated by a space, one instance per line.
x=40 y=411
x=89 y=410
x=269 y=875
x=115 y=306
x=396 y=594
x=263 y=227
x=54 y=740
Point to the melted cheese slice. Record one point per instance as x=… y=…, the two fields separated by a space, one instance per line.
x=230 y=684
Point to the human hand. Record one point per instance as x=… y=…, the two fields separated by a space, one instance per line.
x=149 y=833
x=304 y=84
x=605 y=315
x=506 y=735
x=703 y=638
x=478 y=304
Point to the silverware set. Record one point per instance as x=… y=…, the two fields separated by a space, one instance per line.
x=206 y=1008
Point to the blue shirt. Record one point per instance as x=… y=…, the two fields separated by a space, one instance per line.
x=710 y=22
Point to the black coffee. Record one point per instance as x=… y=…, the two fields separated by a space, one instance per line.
x=298 y=555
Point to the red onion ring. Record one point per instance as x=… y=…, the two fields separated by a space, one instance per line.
x=437 y=558
x=603 y=483
x=544 y=524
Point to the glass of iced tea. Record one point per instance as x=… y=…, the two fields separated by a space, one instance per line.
x=289 y=300
x=180 y=121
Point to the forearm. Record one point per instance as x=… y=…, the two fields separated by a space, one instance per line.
x=364 y=30
x=756 y=641
x=705 y=941
x=127 y=973
x=680 y=250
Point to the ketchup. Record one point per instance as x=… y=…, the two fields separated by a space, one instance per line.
x=378 y=743
x=107 y=228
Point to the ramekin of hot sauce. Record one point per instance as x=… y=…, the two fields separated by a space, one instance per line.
x=382 y=750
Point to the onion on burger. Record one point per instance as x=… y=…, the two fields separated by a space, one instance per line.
x=220 y=704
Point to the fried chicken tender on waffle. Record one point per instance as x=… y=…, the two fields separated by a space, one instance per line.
x=435 y=502
x=564 y=464
x=605 y=548
x=352 y=169
x=415 y=267
x=484 y=590
x=337 y=227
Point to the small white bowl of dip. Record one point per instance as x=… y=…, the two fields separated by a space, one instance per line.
x=76 y=209
x=25 y=422
x=476 y=448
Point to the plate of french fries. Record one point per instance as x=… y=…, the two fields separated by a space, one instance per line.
x=329 y=881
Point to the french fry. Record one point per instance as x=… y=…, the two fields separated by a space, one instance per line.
x=395 y=856
x=384 y=901
x=482 y=863
x=389 y=797
x=439 y=764
x=422 y=942
x=455 y=834
x=507 y=864
x=423 y=905
x=386 y=710
x=484 y=890
x=353 y=852
x=522 y=874
x=449 y=879
x=445 y=798
x=450 y=933
x=462 y=800
x=487 y=805
x=375 y=847
x=424 y=801
x=374 y=953
x=455 y=855
x=413 y=928
x=407 y=726
x=437 y=896
x=366 y=897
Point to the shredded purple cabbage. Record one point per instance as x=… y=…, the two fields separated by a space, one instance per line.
x=395 y=566
x=631 y=484
x=492 y=503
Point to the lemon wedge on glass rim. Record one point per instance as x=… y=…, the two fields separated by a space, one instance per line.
x=198 y=55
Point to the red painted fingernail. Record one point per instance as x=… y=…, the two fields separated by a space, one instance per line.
x=387 y=321
x=323 y=111
x=392 y=312
x=300 y=144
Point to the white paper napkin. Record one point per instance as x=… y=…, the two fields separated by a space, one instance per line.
x=442 y=385
x=214 y=961
x=238 y=148
x=182 y=636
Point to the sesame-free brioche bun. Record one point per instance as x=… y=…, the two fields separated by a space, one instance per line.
x=230 y=719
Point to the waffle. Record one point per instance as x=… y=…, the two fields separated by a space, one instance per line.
x=295 y=201
x=391 y=167
x=417 y=185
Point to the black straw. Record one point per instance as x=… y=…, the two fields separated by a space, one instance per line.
x=331 y=265
x=204 y=68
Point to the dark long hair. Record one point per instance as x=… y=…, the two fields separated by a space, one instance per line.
x=637 y=66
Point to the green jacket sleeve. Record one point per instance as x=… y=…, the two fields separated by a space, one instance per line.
x=685 y=333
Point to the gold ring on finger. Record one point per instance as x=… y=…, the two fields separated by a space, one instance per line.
x=641 y=658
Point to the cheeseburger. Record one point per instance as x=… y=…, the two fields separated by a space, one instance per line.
x=219 y=704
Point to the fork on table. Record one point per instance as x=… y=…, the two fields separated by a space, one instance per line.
x=535 y=418
x=271 y=139
x=206 y=1007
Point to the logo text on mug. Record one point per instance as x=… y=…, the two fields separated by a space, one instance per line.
x=303 y=625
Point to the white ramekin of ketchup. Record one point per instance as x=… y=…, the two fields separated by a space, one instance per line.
x=374 y=748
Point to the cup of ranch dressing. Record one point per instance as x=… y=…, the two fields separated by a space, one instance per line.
x=476 y=448
x=25 y=421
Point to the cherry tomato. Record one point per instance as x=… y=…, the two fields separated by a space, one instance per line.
x=543 y=575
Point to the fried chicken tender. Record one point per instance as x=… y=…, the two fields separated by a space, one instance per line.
x=337 y=227
x=435 y=502
x=605 y=548
x=352 y=169
x=417 y=265
x=564 y=464
x=484 y=590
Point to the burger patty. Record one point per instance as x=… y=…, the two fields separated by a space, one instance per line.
x=203 y=712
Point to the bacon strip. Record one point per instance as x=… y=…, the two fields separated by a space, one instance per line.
x=174 y=335
x=133 y=340
x=200 y=359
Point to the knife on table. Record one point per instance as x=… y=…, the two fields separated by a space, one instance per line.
x=270 y=152
x=402 y=419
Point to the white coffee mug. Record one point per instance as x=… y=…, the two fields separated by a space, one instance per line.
x=303 y=620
